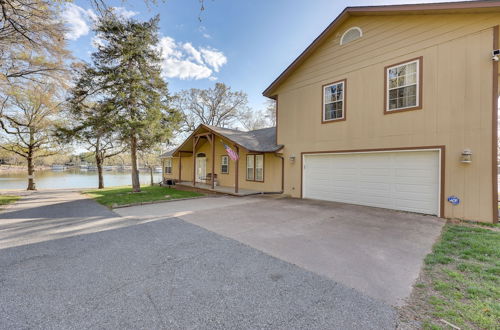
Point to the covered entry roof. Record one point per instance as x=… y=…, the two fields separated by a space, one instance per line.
x=260 y=140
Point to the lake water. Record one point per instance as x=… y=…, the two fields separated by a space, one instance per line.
x=72 y=178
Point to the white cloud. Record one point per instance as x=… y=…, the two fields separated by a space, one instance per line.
x=204 y=33
x=185 y=61
x=78 y=20
x=214 y=58
x=123 y=12
x=183 y=69
x=193 y=52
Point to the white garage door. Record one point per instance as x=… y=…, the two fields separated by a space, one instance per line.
x=403 y=180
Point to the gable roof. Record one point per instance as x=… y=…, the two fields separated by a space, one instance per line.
x=442 y=7
x=260 y=140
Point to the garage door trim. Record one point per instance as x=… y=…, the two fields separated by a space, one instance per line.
x=441 y=149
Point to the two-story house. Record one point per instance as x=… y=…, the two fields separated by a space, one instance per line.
x=391 y=106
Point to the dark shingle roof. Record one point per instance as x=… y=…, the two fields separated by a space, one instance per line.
x=260 y=140
x=168 y=153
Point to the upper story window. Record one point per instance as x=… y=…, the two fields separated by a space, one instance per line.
x=168 y=166
x=224 y=164
x=351 y=35
x=403 y=86
x=334 y=101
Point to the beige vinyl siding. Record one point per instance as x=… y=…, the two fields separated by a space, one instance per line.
x=384 y=37
x=456 y=106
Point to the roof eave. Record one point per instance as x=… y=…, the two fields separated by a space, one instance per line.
x=270 y=90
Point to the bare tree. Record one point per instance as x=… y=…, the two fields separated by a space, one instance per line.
x=217 y=106
x=32 y=44
x=27 y=121
x=90 y=129
x=252 y=120
x=270 y=112
x=103 y=145
x=151 y=159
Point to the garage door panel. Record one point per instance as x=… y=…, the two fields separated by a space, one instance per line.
x=412 y=172
x=374 y=186
x=374 y=171
x=415 y=196
x=414 y=181
x=427 y=189
x=407 y=180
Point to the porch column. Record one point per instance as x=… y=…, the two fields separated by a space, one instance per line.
x=236 y=170
x=195 y=142
x=180 y=166
x=213 y=161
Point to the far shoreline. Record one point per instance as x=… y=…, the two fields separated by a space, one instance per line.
x=20 y=168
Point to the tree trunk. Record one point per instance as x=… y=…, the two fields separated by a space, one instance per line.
x=151 y=173
x=136 y=186
x=31 y=169
x=31 y=172
x=98 y=162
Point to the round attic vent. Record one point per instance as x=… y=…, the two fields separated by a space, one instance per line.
x=351 y=35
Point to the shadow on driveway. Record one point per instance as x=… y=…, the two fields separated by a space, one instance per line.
x=175 y=275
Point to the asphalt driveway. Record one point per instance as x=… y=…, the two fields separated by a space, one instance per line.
x=378 y=252
x=151 y=273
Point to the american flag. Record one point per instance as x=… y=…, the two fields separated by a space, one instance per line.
x=233 y=155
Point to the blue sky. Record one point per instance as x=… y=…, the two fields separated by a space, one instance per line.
x=245 y=44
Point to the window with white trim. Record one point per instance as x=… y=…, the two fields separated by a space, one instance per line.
x=255 y=168
x=351 y=35
x=403 y=86
x=224 y=164
x=259 y=167
x=333 y=101
x=168 y=166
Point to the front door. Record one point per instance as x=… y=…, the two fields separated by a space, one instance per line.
x=201 y=169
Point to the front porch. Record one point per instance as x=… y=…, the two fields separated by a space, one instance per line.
x=227 y=161
x=220 y=189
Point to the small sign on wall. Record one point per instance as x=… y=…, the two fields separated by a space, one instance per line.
x=454 y=200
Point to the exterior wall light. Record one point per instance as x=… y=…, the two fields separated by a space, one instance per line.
x=292 y=158
x=466 y=157
x=495 y=55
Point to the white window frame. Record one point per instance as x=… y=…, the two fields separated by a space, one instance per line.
x=347 y=31
x=257 y=168
x=168 y=166
x=417 y=83
x=224 y=161
x=252 y=160
x=340 y=82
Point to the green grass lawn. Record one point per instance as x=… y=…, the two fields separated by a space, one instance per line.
x=116 y=196
x=460 y=282
x=7 y=199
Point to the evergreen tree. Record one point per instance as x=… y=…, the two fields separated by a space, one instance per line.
x=126 y=75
